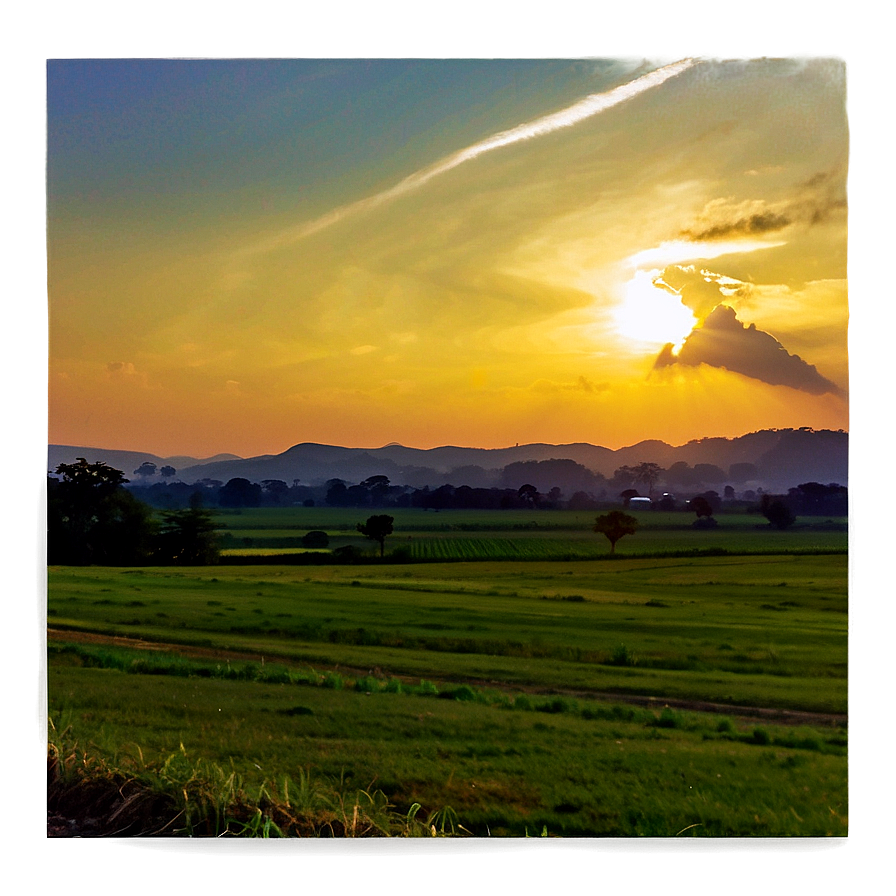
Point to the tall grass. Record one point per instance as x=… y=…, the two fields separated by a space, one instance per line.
x=185 y=796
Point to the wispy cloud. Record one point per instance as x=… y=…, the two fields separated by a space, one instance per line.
x=585 y=108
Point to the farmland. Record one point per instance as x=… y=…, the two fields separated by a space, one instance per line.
x=696 y=682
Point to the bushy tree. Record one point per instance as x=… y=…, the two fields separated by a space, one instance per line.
x=615 y=525
x=776 y=511
x=239 y=492
x=701 y=506
x=189 y=537
x=316 y=538
x=92 y=518
x=377 y=528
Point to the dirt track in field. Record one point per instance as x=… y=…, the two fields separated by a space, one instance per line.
x=767 y=714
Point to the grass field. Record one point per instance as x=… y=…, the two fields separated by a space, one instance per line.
x=701 y=695
x=519 y=534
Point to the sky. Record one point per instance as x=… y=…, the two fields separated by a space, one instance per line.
x=248 y=254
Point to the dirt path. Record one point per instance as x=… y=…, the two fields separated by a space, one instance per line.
x=768 y=714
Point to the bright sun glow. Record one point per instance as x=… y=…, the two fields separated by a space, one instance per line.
x=649 y=313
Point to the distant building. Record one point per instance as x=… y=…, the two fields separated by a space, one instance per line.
x=639 y=502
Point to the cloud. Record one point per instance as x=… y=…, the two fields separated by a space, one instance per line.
x=119 y=369
x=720 y=220
x=723 y=341
x=591 y=105
x=700 y=289
x=812 y=202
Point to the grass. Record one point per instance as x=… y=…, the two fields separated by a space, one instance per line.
x=189 y=796
x=713 y=638
x=518 y=534
x=626 y=771
x=495 y=697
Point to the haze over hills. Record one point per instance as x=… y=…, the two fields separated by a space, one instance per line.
x=780 y=459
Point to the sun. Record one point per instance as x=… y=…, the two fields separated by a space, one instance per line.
x=653 y=313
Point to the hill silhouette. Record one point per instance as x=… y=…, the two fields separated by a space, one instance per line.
x=770 y=459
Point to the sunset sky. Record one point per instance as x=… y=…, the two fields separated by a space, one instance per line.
x=245 y=255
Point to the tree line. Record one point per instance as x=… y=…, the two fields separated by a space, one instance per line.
x=92 y=518
x=549 y=484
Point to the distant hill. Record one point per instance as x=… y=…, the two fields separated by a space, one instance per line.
x=779 y=458
x=126 y=461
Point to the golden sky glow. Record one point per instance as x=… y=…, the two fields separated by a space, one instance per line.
x=248 y=255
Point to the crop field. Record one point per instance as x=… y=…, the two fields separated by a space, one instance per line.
x=519 y=534
x=657 y=693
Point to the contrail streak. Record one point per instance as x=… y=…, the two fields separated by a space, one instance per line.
x=591 y=105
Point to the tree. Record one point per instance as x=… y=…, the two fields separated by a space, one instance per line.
x=701 y=506
x=92 y=518
x=240 y=492
x=776 y=512
x=627 y=496
x=528 y=494
x=377 y=528
x=276 y=490
x=337 y=493
x=316 y=538
x=146 y=469
x=615 y=525
x=189 y=537
x=167 y=471
x=649 y=475
x=377 y=488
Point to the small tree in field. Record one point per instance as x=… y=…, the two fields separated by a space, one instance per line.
x=377 y=528
x=614 y=525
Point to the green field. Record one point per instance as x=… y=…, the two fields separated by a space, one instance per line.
x=519 y=534
x=643 y=695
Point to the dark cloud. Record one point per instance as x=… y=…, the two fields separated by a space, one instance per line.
x=723 y=341
x=749 y=225
x=812 y=202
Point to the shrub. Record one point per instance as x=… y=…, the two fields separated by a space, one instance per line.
x=622 y=656
x=315 y=539
x=668 y=719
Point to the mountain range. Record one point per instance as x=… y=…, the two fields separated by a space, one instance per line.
x=780 y=458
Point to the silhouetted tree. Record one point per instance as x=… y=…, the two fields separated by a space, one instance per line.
x=275 y=490
x=337 y=493
x=582 y=501
x=648 y=474
x=776 y=511
x=239 y=492
x=377 y=489
x=92 y=518
x=189 y=537
x=528 y=494
x=615 y=525
x=627 y=496
x=315 y=539
x=146 y=469
x=701 y=506
x=377 y=528
x=167 y=471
